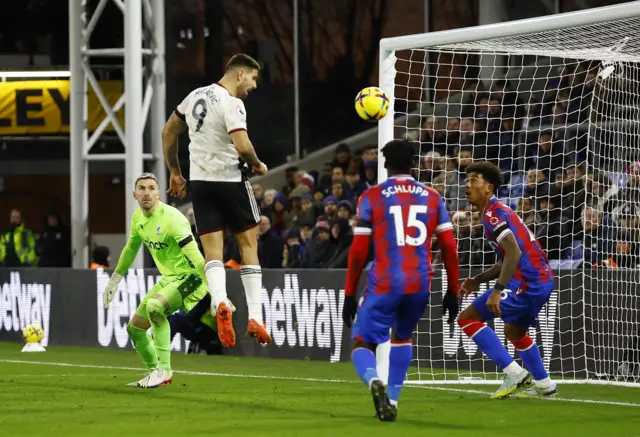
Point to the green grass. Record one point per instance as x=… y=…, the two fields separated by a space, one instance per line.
x=50 y=400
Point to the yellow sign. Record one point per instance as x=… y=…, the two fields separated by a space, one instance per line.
x=41 y=107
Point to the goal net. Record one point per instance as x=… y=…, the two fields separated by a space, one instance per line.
x=556 y=107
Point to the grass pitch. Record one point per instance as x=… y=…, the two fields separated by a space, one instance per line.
x=82 y=392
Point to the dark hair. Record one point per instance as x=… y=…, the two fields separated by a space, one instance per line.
x=291 y=169
x=490 y=173
x=242 y=60
x=399 y=156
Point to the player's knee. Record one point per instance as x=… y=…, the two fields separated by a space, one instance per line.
x=155 y=309
x=516 y=334
x=470 y=327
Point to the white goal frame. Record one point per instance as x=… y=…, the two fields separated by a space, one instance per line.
x=387 y=75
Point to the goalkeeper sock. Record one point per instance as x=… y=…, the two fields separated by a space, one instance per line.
x=161 y=332
x=364 y=360
x=217 y=279
x=530 y=355
x=252 y=281
x=490 y=344
x=399 y=361
x=144 y=346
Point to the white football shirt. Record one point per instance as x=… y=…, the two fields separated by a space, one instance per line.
x=212 y=114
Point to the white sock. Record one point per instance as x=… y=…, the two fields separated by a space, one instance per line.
x=394 y=403
x=513 y=369
x=544 y=383
x=217 y=279
x=252 y=281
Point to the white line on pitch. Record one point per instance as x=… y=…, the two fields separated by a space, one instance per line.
x=294 y=378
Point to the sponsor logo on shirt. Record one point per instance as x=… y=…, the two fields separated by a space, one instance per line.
x=155 y=245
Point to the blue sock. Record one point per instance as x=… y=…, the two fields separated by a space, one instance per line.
x=531 y=358
x=364 y=360
x=399 y=362
x=487 y=341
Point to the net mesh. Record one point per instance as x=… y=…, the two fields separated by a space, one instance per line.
x=558 y=112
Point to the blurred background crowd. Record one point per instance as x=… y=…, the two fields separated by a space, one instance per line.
x=577 y=215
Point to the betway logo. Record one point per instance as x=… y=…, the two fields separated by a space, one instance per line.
x=454 y=337
x=23 y=304
x=113 y=323
x=304 y=318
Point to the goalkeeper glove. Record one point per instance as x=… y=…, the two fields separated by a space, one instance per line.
x=349 y=310
x=450 y=303
x=110 y=290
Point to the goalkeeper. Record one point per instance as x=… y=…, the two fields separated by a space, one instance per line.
x=167 y=235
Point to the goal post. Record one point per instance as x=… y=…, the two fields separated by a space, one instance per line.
x=555 y=102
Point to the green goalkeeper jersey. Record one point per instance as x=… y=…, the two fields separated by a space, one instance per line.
x=167 y=235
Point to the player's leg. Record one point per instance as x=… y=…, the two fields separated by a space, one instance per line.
x=211 y=224
x=242 y=217
x=472 y=322
x=145 y=346
x=137 y=329
x=373 y=320
x=251 y=275
x=516 y=326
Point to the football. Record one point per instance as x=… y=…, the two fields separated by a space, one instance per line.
x=33 y=333
x=372 y=104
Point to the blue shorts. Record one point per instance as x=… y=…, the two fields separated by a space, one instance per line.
x=378 y=313
x=518 y=308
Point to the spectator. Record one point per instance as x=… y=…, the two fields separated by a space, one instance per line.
x=318 y=201
x=467 y=131
x=438 y=184
x=630 y=195
x=557 y=233
x=100 y=258
x=337 y=174
x=320 y=248
x=258 y=192
x=356 y=186
x=307 y=181
x=345 y=210
x=547 y=156
x=295 y=197
x=342 y=157
x=370 y=172
x=527 y=214
x=600 y=189
x=266 y=206
x=536 y=185
x=307 y=210
x=290 y=180
x=627 y=253
x=280 y=217
x=571 y=188
x=325 y=180
x=340 y=190
x=269 y=245
x=17 y=243
x=342 y=236
x=293 y=249
x=593 y=236
x=330 y=207
x=432 y=166
x=54 y=244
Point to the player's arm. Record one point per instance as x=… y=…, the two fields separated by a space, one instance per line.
x=510 y=260
x=180 y=231
x=235 y=118
x=489 y=275
x=448 y=246
x=173 y=128
x=357 y=257
x=127 y=256
x=449 y=249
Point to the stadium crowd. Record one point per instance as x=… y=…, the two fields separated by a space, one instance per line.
x=577 y=215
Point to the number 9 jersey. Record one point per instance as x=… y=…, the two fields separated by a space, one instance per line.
x=212 y=115
x=402 y=215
